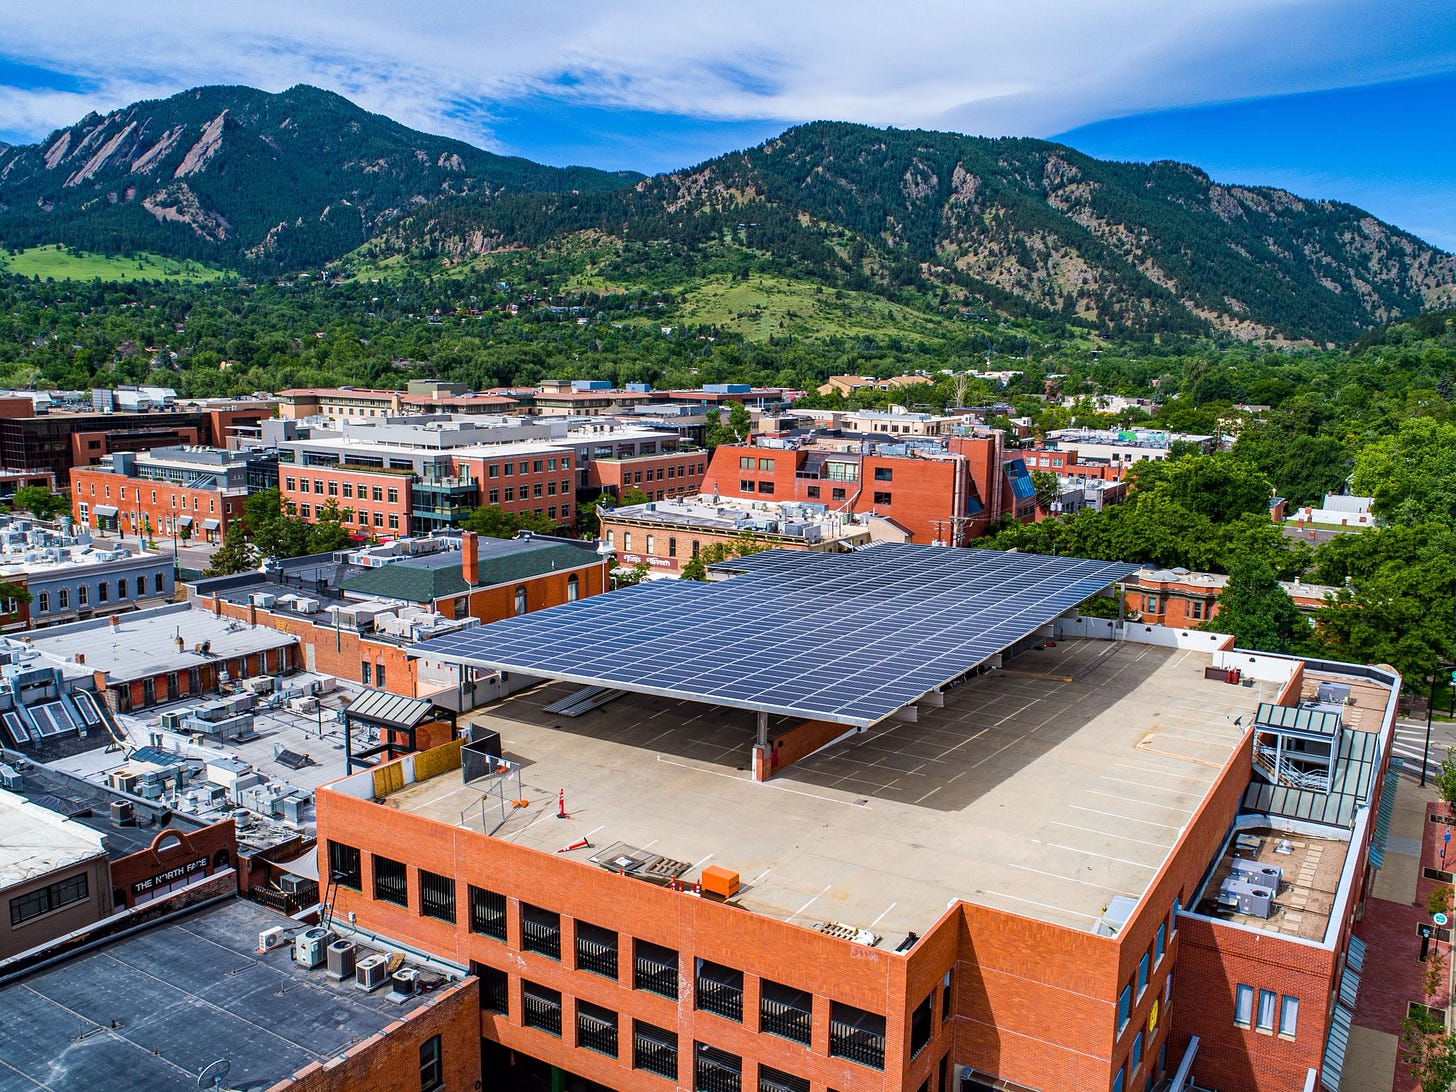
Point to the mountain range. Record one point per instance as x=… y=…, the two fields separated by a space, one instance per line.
x=238 y=176
x=260 y=181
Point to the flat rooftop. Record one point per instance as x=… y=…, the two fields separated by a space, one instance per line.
x=316 y=737
x=38 y=841
x=1043 y=789
x=89 y=805
x=149 y=1012
x=143 y=643
x=1307 y=892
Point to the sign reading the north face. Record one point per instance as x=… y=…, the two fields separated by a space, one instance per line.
x=172 y=875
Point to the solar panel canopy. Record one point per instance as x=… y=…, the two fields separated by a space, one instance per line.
x=847 y=638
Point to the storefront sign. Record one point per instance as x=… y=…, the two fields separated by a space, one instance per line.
x=172 y=875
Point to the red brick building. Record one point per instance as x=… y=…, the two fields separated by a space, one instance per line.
x=948 y=491
x=410 y=479
x=374 y=501
x=661 y=476
x=363 y=625
x=1180 y=599
x=1082 y=945
x=188 y=492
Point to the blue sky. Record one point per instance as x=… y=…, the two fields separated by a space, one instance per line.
x=1345 y=99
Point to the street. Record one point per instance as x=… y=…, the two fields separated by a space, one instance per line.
x=190 y=555
x=1410 y=741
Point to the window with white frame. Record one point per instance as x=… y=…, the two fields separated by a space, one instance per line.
x=1266 y=1010
x=1244 y=1005
x=1288 y=1016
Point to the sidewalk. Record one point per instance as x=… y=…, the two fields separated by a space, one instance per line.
x=1394 y=974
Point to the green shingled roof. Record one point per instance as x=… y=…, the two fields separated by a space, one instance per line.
x=420 y=584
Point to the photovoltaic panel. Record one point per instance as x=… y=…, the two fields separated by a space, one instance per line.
x=848 y=638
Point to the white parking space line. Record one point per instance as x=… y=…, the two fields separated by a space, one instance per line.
x=1145 y=786
x=1124 y=818
x=1107 y=856
x=1109 y=834
x=1043 y=905
x=1063 y=876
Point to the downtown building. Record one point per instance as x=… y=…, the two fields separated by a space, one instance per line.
x=410 y=476
x=940 y=490
x=173 y=492
x=894 y=819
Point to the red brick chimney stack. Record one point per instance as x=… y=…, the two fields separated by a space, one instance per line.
x=470 y=557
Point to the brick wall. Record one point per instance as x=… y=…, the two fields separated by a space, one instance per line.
x=362 y=493
x=670 y=474
x=172 y=849
x=868 y=978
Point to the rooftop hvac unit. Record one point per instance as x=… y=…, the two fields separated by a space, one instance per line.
x=310 y=947
x=303 y=705
x=124 y=782
x=1264 y=875
x=292 y=884
x=263 y=599
x=341 y=959
x=402 y=983
x=272 y=938
x=123 y=813
x=371 y=972
x=172 y=719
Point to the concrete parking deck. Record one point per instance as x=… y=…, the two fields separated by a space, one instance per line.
x=1044 y=790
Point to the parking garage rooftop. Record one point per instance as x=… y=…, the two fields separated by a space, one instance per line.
x=1045 y=788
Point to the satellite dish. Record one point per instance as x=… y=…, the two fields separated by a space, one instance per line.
x=213 y=1073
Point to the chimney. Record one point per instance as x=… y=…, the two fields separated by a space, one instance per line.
x=470 y=557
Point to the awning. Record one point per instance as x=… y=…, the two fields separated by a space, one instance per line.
x=184 y=521
x=1335 y=1045
x=212 y=525
x=1383 y=816
x=387 y=710
x=107 y=510
x=305 y=866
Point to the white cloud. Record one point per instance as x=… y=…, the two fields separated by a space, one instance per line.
x=997 y=66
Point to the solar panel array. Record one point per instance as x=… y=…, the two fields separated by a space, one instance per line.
x=848 y=638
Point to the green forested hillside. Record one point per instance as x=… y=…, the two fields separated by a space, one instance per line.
x=1025 y=227
x=243 y=177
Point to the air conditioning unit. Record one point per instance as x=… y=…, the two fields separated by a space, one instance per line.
x=272 y=938
x=310 y=947
x=341 y=959
x=291 y=884
x=371 y=972
x=402 y=982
